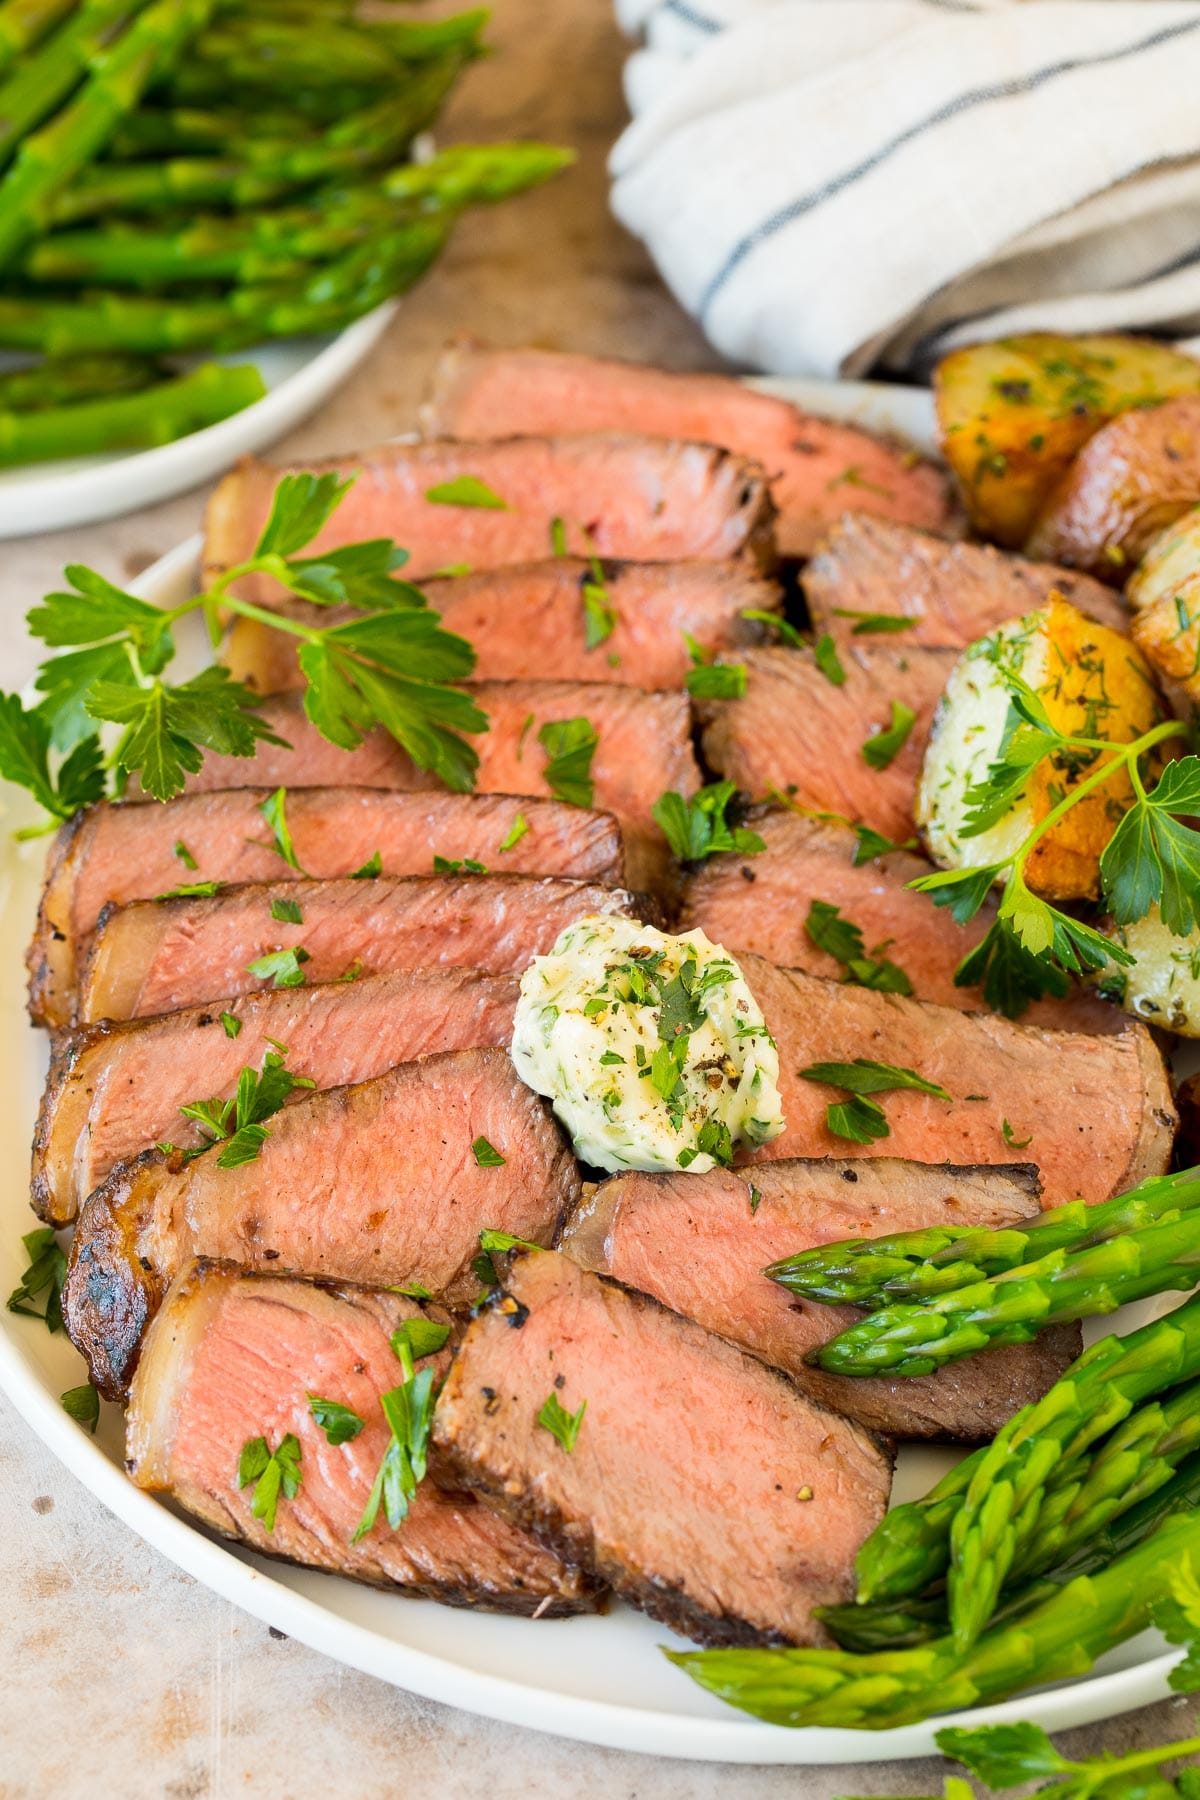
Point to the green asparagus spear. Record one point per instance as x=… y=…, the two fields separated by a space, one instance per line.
x=999 y=1513
x=45 y=79
x=176 y=130
x=69 y=379
x=158 y=415
x=1062 y=1636
x=48 y=160
x=918 y=1337
x=368 y=141
x=279 y=244
x=334 y=295
x=23 y=23
x=874 y=1272
x=274 y=53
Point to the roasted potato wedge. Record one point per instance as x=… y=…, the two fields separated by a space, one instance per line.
x=1092 y=682
x=1132 y=480
x=1012 y=414
x=1163 y=985
x=1165 y=591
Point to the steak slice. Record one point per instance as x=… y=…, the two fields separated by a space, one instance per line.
x=1131 y=480
x=157 y=956
x=617 y=494
x=644 y=748
x=794 y=732
x=819 y=468
x=533 y=618
x=953 y=592
x=760 y=904
x=1097 y=1111
x=704 y=1486
x=377 y=1182
x=115 y=1089
x=699 y=1244
x=235 y=1357
x=123 y=853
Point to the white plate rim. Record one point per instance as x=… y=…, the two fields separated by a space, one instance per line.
x=728 y=1738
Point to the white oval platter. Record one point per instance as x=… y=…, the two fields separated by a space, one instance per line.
x=602 y=1680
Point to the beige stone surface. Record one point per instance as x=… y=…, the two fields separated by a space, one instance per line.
x=120 y=1678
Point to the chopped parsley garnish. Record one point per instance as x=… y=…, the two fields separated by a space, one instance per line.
x=1011 y=1139
x=843 y=940
x=45 y=1274
x=869 y=622
x=562 y=1425
x=599 y=614
x=570 y=745
x=558 y=537
x=514 y=834
x=755 y=1199
x=466 y=490
x=260 y=1095
x=486 y=1155
x=184 y=854
x=83 y=1405
x=698 y=827
x=232 y=1024
x=370 y=869
x=828 y=660
x=444 y=865
x=882 y=749
x=282 y=968
x=192 y=890
x=287 y=912
x=340 y=1424
x=273 y=1472
x=408 y=1410
x=352 y=971
x=859 y=1118
x=709 y=680
x=419 y=1337
x=502 y=1241
x=413 y=1289
x=274 y=811
x=777 y=622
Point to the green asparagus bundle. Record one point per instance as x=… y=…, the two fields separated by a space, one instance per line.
x=156 y=415
x=48 y=159
x=24 y=23
x=1060 y=1637
x=283 y=243
x=269 y=53
x=39 y=85
x=919 y=1265
x=918 y=1337
x=67 y=380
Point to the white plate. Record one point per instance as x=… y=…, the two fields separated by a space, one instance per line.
x=299 y=374
x=599 y=1679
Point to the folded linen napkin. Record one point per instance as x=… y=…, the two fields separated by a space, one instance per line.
x=831 y=185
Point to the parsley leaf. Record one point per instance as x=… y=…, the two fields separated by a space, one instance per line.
x=1153 y=859
x=502 y=1241
x=561 y=1424
x=232 y=1024
x=1011 y=1139
x=259 y=1095
x=443 y=865
x=370 y=869
x=25 y=759
x=869 y=622
x=558 y=537
x=599 y=614
x=570 y=745
x=340 y=1424
x=301 y=505
x=514 y=834
x=408 y=1410
x=1178 y=1618
x=698 y=827
x=45 y=1274
x=1003 y=1755
x=860 y=1119
x=271 y=1471
x=168 y=729
x=287 y=912
x=486 y=1155
x=709 y=680
x=274 y=811
x=419 y=1337
x=777 y=622
x=185 y=856
x=466 y=490
x=192 y=890
x=83 y=1405
x=828 y=660
x=883 y=747
x=843 y=940
x=281 y=967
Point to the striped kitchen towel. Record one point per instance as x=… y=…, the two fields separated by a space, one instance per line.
x=836 y=185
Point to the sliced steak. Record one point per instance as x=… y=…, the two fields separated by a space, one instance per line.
x=116 y=1089
x=796 y=733
x=1129 y=482
x=819 y=468
x=532 y=619
x=704 y=1486
x=953 y=592
x=376 y=1182
x=617 y=495
x=760 y=904
x=123 y=853
x=699 y=1243
x=644 y=748
x=158 y=956
x=1097 y=1111
x=235 y=1357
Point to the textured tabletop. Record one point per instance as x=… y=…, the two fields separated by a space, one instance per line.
x=121 y=1678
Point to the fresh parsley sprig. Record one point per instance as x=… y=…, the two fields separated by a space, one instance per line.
x=408 y=1409
x=860 y=1119
x=1032 y=948
x=260 y=1095
x=698 y=828
x=1007 y=1756
x=272 y=1471
x=391 y=665
x=562 y=1425
x=842 y=939
x=45 y=1274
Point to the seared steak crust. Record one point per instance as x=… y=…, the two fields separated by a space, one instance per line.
x=236 y=1356
x=703 y=1485
x=114 y=1089
x=699 y=1244
x=374 y=1182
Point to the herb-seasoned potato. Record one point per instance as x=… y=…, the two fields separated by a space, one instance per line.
x=1165 y=590
x=1163 y=985
x=1012 y=414
x=1092 y=683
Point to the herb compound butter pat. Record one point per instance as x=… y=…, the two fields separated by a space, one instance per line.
x=652 y=1048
